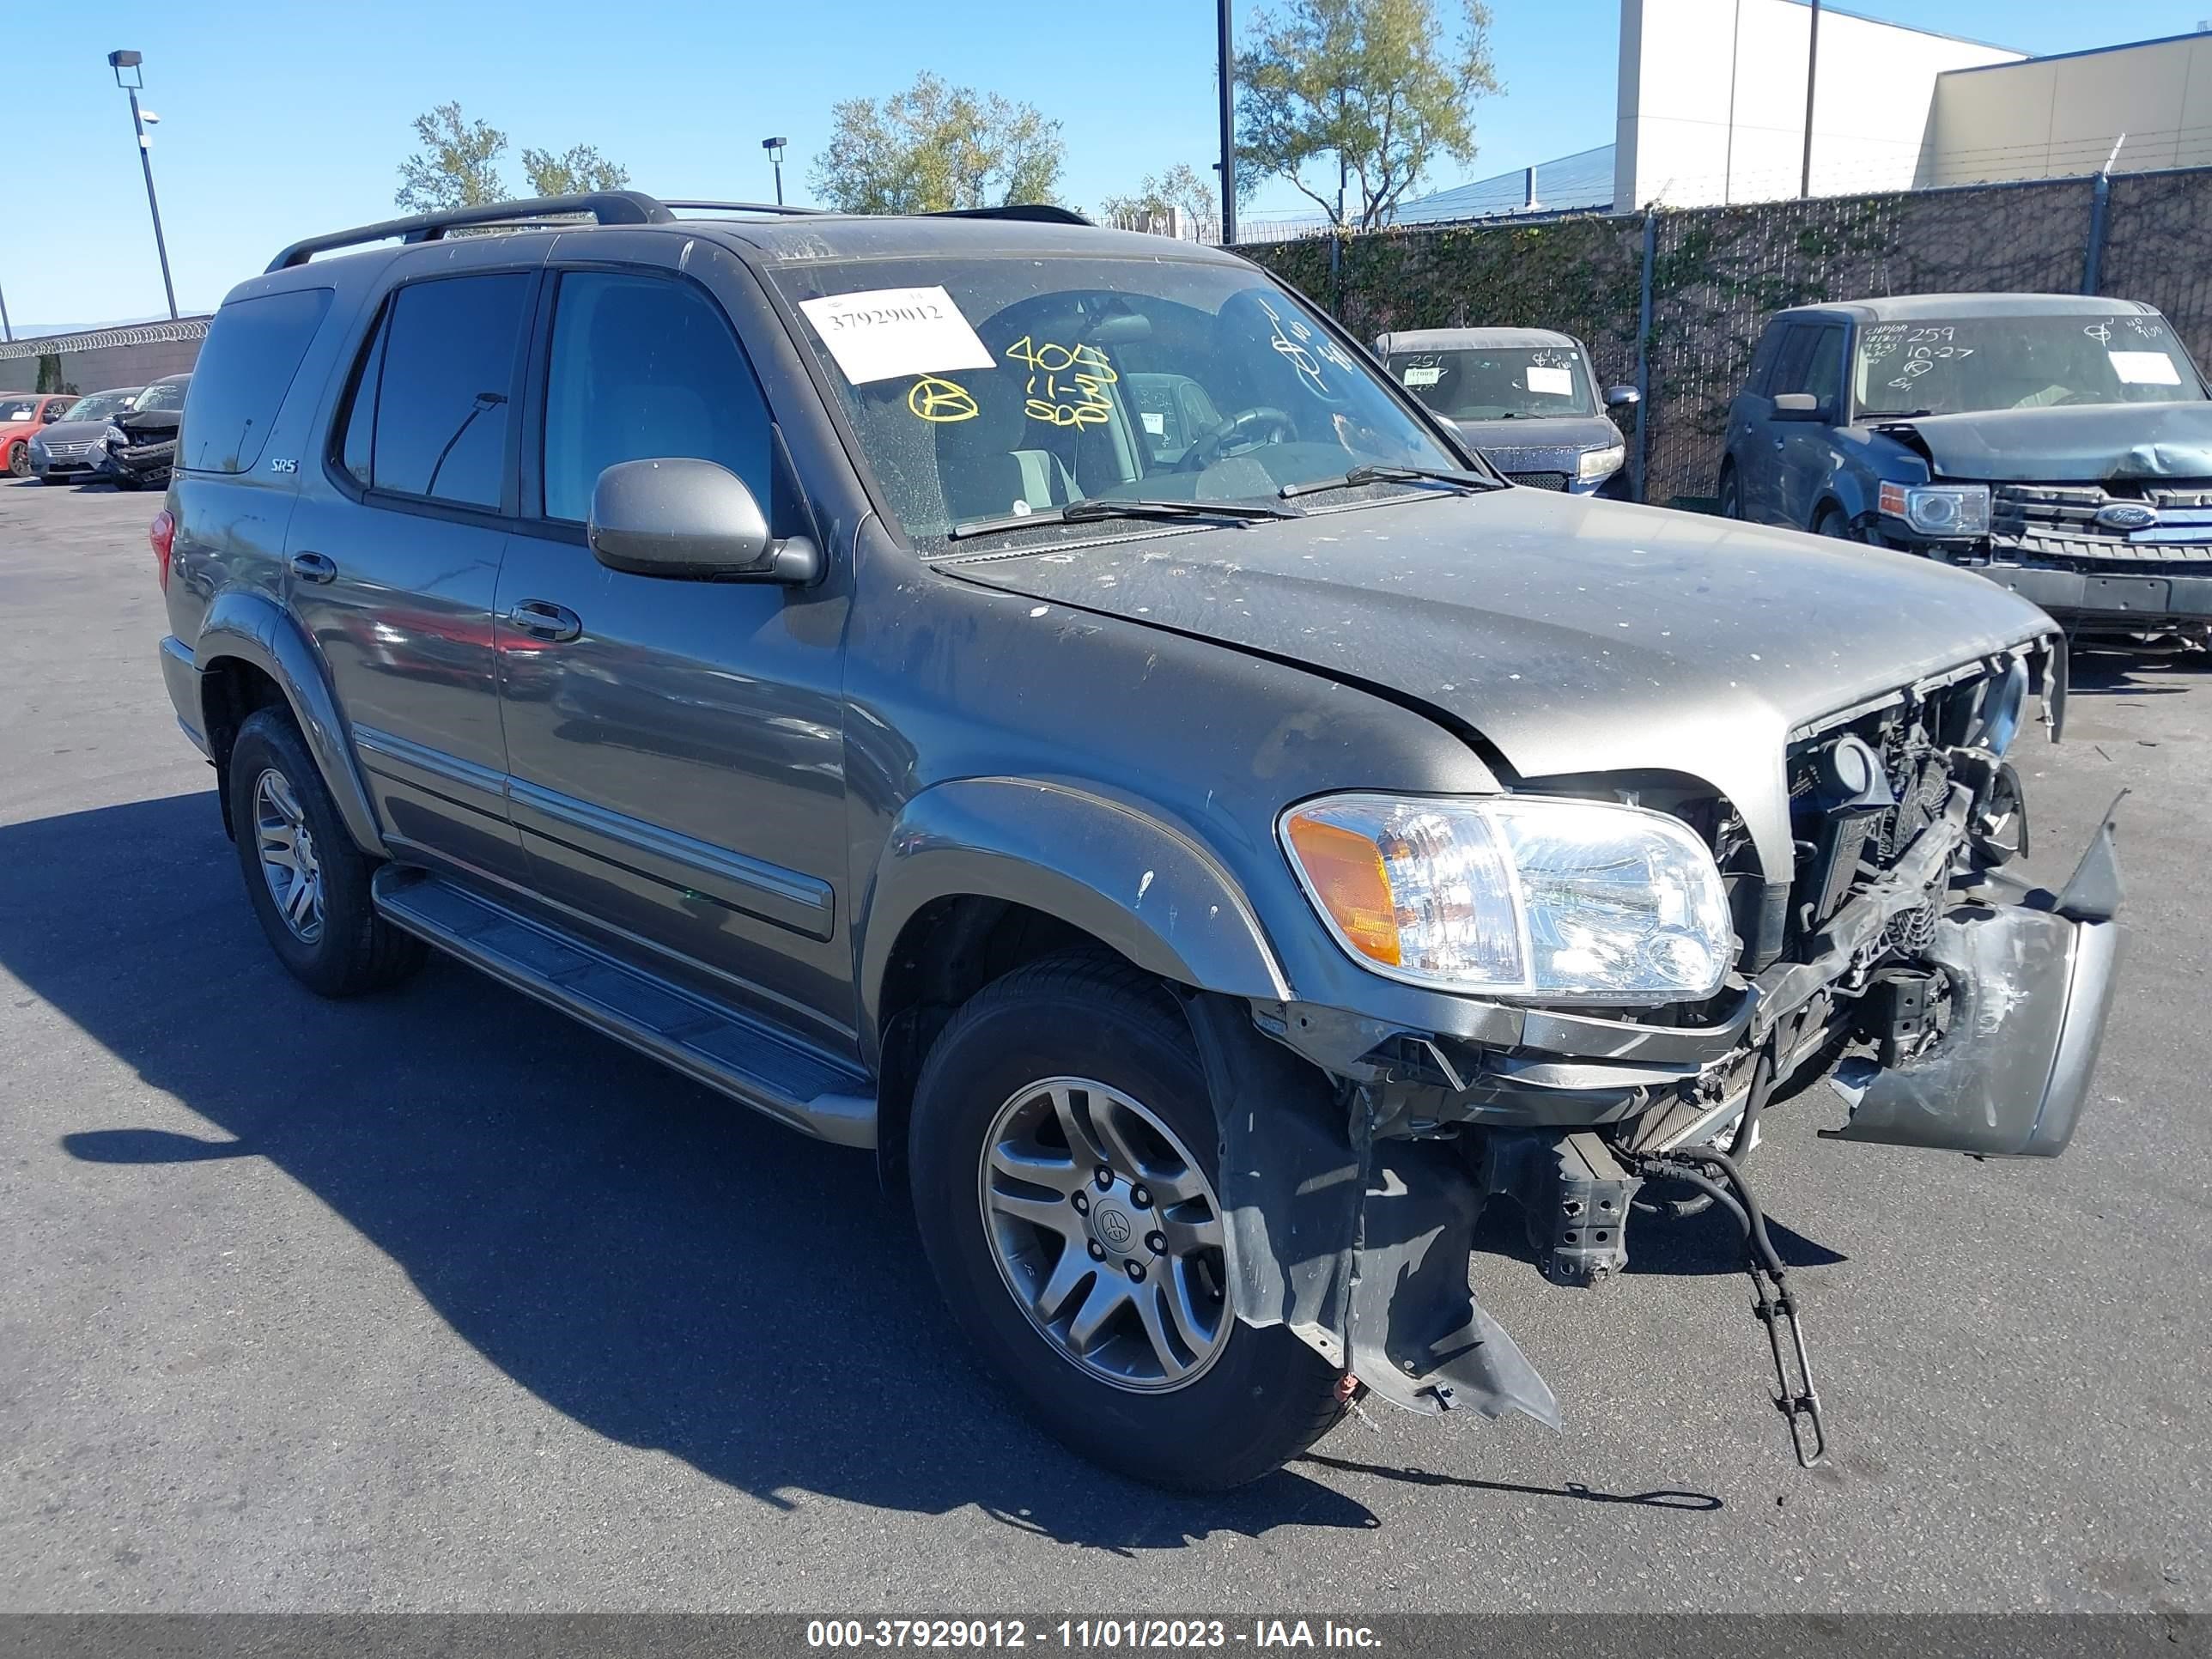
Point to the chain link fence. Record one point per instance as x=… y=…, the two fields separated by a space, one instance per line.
x=1712 y=276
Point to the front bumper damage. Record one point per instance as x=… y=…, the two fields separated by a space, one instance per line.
x=1357 y=1156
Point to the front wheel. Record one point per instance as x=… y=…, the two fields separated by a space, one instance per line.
x=1064 y=1156
x=306 y=880
x=18 y=460
x=1731 y=495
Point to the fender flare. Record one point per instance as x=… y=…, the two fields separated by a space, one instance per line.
x=253 y=629
x=1141 y=885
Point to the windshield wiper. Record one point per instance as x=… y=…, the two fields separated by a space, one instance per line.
x=1094 y=508
x=1390 y=473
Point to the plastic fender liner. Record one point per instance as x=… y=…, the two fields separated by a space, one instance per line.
x=1360 y=1246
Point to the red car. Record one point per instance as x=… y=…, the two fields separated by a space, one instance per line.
x=21 y=414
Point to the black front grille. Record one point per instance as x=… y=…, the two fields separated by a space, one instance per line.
x=1539 y=480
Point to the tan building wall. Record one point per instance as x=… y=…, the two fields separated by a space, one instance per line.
x=2052 y=117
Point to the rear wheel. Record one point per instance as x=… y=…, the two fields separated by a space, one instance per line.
x=1063 y=1151
x=307 y=882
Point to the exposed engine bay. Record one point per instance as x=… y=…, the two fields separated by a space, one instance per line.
x=1951 y=1006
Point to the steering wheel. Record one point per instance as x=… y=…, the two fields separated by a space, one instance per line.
x=1247 y=429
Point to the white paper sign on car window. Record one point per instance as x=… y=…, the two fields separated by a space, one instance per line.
x=1424 y=376
x=2144 y=368
x=1155 y=423
x=885 y=333
x=1552 y=382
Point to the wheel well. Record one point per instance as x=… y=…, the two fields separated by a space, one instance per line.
x=948 y=951
x=231 y=691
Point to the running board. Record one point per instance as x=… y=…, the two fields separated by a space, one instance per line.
x=727 y=1052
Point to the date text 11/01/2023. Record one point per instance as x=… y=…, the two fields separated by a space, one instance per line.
x=1165 y=1635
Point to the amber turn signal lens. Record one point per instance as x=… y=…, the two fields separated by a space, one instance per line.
x=1346 y=873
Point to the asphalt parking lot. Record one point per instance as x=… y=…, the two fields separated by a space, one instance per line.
x=437 y=1301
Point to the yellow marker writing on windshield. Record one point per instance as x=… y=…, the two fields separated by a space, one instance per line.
x=940 y=402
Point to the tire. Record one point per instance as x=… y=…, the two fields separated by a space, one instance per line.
x=1252 y=1400
x=333 y=941
x=1731 y=494
x=18 y=460
x=1830 y=522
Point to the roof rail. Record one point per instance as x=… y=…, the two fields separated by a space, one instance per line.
x=1043 y=213
x=608 y=207
x=745 y=207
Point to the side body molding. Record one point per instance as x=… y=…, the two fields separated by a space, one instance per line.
x=254 y=628
x=1142 y=886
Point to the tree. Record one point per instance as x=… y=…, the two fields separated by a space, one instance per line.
x=457 y=165
x=1375 y=83
x=935 y=147
x=1180 y=186
x=576 y=171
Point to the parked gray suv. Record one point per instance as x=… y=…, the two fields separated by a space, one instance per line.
x=1204 y=882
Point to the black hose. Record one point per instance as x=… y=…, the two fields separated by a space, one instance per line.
x=1747 y=1211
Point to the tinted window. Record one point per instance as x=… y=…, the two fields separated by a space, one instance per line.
x=1812 y=360
x=430 y=405
x=643 y=368
x=254 y=349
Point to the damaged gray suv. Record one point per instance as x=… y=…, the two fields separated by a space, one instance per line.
x=1206 y=875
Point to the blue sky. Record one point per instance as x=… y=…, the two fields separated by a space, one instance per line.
x=281 y=120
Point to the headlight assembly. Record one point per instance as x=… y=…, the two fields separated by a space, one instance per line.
x=1594 y=463
x=1939 y=509
x=1545 y=899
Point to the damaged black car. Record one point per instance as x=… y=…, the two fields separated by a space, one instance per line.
x=1207 y=874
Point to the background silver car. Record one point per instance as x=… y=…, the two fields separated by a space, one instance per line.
x=66 y=452
x=1522 y=396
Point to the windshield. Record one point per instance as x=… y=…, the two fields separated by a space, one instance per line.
x=162 y=394
x=1498 y=383
x=101 y=404
x=990 y=387
x=17 y=409
x=1961 y=364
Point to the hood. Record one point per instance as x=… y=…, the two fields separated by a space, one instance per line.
x=1575 y=634
x=2085 y=445
x=151 y=425
x=1570 y=433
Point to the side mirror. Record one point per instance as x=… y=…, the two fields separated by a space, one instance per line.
x=1799 y=406
x=690 y=520
x=1622 y=397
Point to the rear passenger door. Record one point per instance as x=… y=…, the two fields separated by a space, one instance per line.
x=677 y=747
x=394 y=554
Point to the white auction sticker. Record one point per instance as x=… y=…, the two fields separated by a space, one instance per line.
x=885 y=333
x=1424 y=376
x=1552 y=382
x=2145 y=367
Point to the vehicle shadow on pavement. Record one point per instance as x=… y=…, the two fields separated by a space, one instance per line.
x=2103 y=673
x=665 y=1267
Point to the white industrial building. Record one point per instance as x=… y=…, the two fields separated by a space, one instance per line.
x=1711 y=109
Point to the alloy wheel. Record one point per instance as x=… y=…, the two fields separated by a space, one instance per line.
x=288 y=861
x=1106 y=1233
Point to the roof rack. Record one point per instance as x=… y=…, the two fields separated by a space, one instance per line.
x=608 y=207
x=745 y=207
x=1043 y=213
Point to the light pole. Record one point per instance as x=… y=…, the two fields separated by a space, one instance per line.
x=1228 y=57
x=1812 y=82
x=7 y=328
x=775 y=148
x=126 y=64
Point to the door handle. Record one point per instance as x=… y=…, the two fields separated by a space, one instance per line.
x=314 y=567
x=541 y=619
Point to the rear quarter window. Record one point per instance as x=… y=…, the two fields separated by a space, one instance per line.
x=254 y=349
